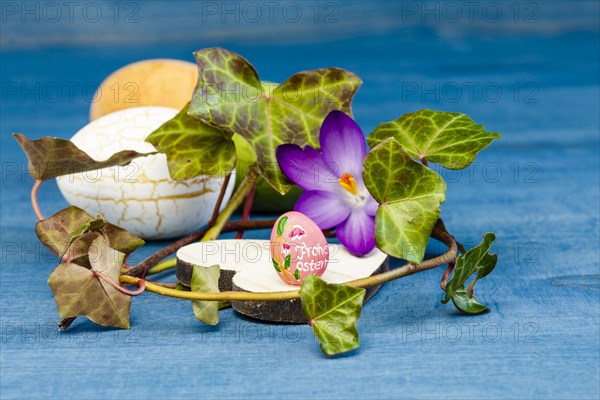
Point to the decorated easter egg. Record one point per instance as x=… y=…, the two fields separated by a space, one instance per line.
x=298 y=248
x=140 y=197
x=160 y=82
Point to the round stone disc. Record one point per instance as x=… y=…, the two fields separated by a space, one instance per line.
x=246 y=266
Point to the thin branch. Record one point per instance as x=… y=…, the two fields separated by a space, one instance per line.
x=471 y=288
x=235 y=201
x=439 y=233
x=444 y=280
x=194 y=237
x=34 y=200
x=162 y=266
x=166 y=284
x=141 y=284
x=215 y=213
x=375 y=280
x=440 y=224
x=247 y=210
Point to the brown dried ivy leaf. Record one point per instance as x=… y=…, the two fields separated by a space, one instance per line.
x=50 y=157
x=79 y=291
x=70 y=232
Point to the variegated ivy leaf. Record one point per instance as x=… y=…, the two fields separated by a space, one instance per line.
x=477 y=260
x=409 y=195
x=79 y=291
x=332 y=311
x=50 y=157
x=447 y=138
x=70 y=232
x=231 y=96
x=194 y=148
x=206 y=279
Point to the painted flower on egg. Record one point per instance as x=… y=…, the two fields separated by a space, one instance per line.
x=334 y=195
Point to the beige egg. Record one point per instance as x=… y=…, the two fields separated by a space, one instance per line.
x=160 y=82
x=140 y=197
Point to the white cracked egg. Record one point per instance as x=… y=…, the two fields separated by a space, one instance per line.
x=140 y=197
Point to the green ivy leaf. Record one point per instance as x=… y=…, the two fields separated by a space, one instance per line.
x=194 y=148
x=447 y=138
x=51 y=157
x=466 y=304
x=231 y=96
x=296 y=274
x=409 y=195
x=70 y=232
x=281 y=226
x=332 y=311
x=478 y=260
x=206 y=279
x=78 y=291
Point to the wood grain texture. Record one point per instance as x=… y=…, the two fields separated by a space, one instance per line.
x=542 y=337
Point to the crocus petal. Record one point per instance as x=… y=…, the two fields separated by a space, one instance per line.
x=327 y=209
x=343 y=144
x=357 y=234
x=306 y=168
x=371 y=206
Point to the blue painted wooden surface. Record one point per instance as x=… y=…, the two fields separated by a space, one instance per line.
x=538 y=189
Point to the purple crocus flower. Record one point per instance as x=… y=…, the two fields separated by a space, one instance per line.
x=334 y=192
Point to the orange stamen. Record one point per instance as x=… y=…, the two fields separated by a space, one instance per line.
x=347 y=181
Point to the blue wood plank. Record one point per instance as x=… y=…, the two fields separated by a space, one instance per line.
x=538 y=189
